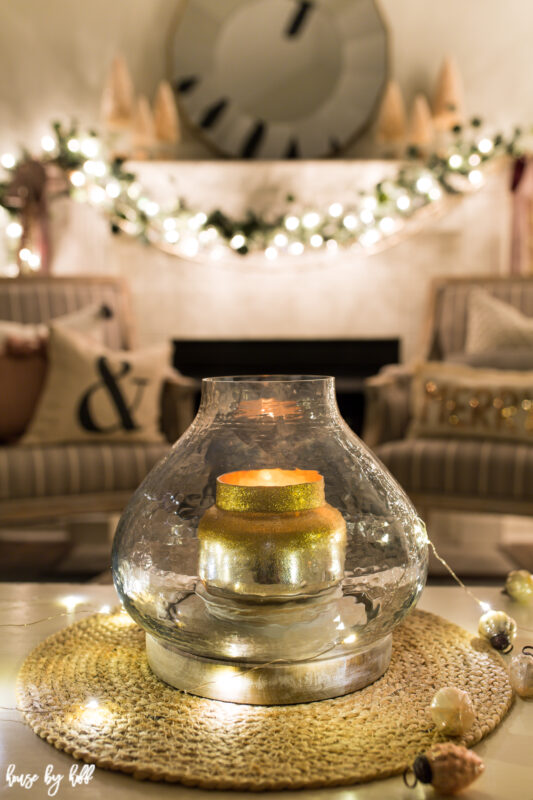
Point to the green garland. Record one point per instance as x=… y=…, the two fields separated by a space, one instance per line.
x=84 y=172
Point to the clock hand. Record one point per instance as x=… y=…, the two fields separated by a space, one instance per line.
x=295 y=25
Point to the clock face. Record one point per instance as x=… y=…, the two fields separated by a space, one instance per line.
x=279 y=78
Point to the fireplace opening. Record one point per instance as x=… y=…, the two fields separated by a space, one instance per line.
x=349 y=361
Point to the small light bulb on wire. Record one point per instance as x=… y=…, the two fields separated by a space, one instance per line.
x=296 y=248
x=237 y=241
x=14 y=230
x=350 y=222
x=292 y=223
x=8 y=160
x=485 y=146
x=48 y=144
x=475 y=177
x=335 y=210
x=77 y=179
x=424 y=184
x=310 y=220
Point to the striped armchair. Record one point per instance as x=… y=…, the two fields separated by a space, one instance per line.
x=460 y=474
x=39 y=483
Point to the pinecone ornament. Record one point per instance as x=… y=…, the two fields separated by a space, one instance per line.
x=449 y=768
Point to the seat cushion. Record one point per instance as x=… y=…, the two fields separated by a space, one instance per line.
x=467 y=467
x=57 y=470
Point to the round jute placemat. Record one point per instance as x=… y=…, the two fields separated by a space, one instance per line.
x=146 y=728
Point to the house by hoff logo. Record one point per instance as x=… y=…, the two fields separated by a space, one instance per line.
x=110 y=383
x=79 y=775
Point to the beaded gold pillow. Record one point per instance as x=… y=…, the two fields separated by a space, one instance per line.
x=452 y=400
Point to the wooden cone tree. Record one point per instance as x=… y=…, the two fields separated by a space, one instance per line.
x=167 y=126
x=421 y=132
x=448 y=104
x=391 y=125
x=117 y=106
x=143 y=131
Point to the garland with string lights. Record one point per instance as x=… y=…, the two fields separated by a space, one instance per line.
x=75 y=164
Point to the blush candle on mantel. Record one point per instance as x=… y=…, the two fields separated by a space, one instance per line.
x=271 y=536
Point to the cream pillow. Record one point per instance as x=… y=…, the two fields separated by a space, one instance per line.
x=93 y=394
x=495 y=325
x=452 y=400
x=89 y=321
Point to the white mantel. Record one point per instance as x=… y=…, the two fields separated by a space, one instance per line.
x=350 y=295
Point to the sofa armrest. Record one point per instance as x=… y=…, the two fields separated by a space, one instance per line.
x=387 y=408
x=177 y=404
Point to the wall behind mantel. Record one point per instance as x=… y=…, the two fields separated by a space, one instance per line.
x=54 y=55
x=53 y=59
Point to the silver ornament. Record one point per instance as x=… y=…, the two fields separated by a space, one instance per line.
x=499 y=629
x=521 y=672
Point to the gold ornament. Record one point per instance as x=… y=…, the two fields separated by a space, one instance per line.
x=452 y=711
x=519 y=586
x=521 y=672
x=499 y=629
x=448 y=767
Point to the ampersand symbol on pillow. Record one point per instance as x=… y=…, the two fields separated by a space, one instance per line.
x=110 y=383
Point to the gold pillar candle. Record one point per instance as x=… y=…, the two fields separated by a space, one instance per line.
x=271 y=536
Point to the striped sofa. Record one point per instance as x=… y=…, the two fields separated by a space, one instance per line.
x=462 y=474
x=47 y=482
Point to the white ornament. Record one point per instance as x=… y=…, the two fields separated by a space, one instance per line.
x=452 y=711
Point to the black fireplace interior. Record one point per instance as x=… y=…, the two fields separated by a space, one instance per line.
x=349 y=361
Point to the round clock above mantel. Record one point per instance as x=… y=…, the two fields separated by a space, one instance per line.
x=279 y=78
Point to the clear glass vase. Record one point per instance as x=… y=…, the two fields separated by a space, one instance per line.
x=269 y=555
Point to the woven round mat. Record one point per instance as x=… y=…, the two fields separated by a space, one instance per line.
x=144 y=727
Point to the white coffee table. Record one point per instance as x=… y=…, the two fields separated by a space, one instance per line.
x=508 y=753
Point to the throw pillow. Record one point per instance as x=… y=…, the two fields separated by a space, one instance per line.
x=22 y=339
x=495 y=325
x=451 y=400
x=517 y=358
x=21 y=382
x=23 y=364
x=93 y=393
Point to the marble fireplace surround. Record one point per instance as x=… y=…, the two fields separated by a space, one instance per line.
x=350 y=295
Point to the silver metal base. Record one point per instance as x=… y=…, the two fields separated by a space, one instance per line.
x=270 y=684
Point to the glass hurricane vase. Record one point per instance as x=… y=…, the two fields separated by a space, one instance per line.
x=269 y=555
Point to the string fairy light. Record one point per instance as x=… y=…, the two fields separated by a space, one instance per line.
x=376 y=217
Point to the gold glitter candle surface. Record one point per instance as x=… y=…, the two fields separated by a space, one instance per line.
x=271 y=536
